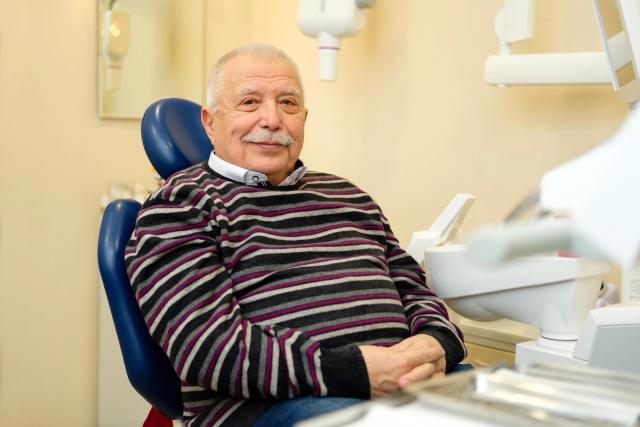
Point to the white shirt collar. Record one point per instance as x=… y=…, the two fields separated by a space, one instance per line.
x=240 y=174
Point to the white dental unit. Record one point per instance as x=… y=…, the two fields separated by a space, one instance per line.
x=494 y=278
x=585 y=189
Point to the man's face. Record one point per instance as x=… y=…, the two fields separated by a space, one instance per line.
x=258 y=100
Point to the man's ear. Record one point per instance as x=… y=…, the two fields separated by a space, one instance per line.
x=207 y=122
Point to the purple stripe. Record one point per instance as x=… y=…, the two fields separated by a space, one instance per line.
x=162 y=273
x=161 y=231
x=188 y=175
x=316 y=304
x=225 y=311
x=418 y=323
x=216 y=183
x=168 y=298
x=283 y=352
x=196 y=199
x=238 y=191
x=241 y=279
x=312 y=367
x=357 y=323
x=307 y=280
x=216 y=354
x=240 y=254
x=267 y=371
x=435 y=308
x=161 y=249
x=318 y=207
x=243 y=354
x=222 y=412
x=183 y=203
x=271 y=232
x=198 y=306
x=259 y=274
x=328 y=192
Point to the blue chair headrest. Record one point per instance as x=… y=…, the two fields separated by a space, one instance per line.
x=173 y=136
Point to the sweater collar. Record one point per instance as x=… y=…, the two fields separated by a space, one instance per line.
x=248 y=177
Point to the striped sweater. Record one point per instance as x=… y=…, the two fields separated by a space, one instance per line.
x=264 y=293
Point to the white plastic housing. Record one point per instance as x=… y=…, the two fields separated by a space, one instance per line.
x=554 y=294
x=329 y=21
x=444 y=227
x=515 y=22
x=623 y=49
x=624 y=317
x=548 y=68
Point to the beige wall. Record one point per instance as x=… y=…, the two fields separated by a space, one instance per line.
x=409 y=119
x=56 y=157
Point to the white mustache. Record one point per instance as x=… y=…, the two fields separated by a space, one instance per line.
x=266 y=136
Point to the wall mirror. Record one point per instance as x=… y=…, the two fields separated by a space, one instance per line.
x=148 y=50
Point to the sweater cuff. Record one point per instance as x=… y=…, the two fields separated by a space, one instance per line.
x=454 y=350
x=345 y=373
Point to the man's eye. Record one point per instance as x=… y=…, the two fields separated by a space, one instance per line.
x=289 y=102
x=249 y=102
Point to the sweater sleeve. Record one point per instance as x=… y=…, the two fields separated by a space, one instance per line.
x=187 y=298
x=425 y=312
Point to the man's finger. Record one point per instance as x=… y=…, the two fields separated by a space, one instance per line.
x=401 y=346
x=438 y=375
x=423 y=355
x=440 y=364
x=419 y=373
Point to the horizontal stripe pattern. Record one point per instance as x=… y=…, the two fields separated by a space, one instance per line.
x=260 y=293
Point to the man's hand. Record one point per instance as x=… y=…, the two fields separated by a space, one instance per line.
x=388 y=366
x=433 y=369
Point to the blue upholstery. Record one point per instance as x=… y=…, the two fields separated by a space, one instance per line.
x=148 y=368
x=173 y=136
x=461 y=367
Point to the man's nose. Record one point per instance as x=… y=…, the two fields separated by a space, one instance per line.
x=270 y=116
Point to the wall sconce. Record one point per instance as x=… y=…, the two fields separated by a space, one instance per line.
x=115 y=45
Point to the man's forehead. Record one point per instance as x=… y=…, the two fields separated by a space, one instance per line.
x=248 y=89
x=248 y=75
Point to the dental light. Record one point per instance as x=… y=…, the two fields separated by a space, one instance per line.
x=329 y=21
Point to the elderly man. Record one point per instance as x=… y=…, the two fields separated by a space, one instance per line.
x=278 y=293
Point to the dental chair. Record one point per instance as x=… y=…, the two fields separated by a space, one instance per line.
x=173 y=139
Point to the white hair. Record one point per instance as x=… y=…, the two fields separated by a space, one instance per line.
x=259 y=50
